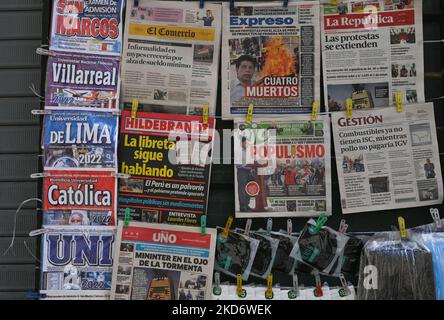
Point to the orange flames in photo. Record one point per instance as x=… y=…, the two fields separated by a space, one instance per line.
x=279 y=60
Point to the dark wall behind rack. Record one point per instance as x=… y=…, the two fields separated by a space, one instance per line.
x=24 y=26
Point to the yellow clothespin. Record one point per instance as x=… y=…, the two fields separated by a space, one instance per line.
x=205 y=113
x=134 y=108
x=227 y=227
x=269 y=291
x=334 y=2
x=401 y=223
x=349 y=108
x=315 y=110
x=250 y=114
x=398 y=99
x=241 y=292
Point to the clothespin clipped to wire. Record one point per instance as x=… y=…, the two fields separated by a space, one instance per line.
x=345 y=290
x=318 y=290
x=240 y=291
x=294 y=292
x=127 y=217
x=248 y=226
x=269 y=292
x=250 y=114
x=205 y=111
x=320 y=222
x=289 y=227
x=315 y=110
x=402 y=231
x=224 y=235
x=134 y=108
x=203 y=224
x=334 y=2
x=217 y=290
x=436 y=218
x=232 y=5
x=201 y=4
x=269 y=226
x=343 y=226
x=285 y=3
x=349 y=108
x=398 y=100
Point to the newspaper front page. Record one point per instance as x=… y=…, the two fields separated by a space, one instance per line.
x=388 y=160
x=270 y=58
x=372 y=50
x=170 y=57
x=77 y=262
x=163 y=262
x=282 y=167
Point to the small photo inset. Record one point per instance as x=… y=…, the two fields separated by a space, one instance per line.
x=192 y=281
x=421 y=134
x=123 y=270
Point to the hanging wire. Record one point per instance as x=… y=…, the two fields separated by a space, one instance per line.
x=11 y=245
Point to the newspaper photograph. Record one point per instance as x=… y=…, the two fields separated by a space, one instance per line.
x=372 y=50
x=282 y=167
x=79 y=197
x=170 y=57
x=163 y=262
x=388 y=160
x=80 y=139
x=87 y=26
x=77 y=262
x=82 y=80
x=168 y=158
x=270 y=58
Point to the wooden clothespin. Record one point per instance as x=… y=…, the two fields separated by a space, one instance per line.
x=250 y=114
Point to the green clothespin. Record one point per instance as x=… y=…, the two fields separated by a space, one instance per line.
x=127 y=217
x=203 y=224
x=319 y=224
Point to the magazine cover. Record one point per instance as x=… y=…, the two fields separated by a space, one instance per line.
x=77 y=262
x=282 y=167
x=387 y=159
x=270 y=58
x=170 y=57
x=79 y=197
x=169 y=160
x=82 y=80
x=163 y=262
x=87 y=26
x=79 y=139
x=372 y=50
